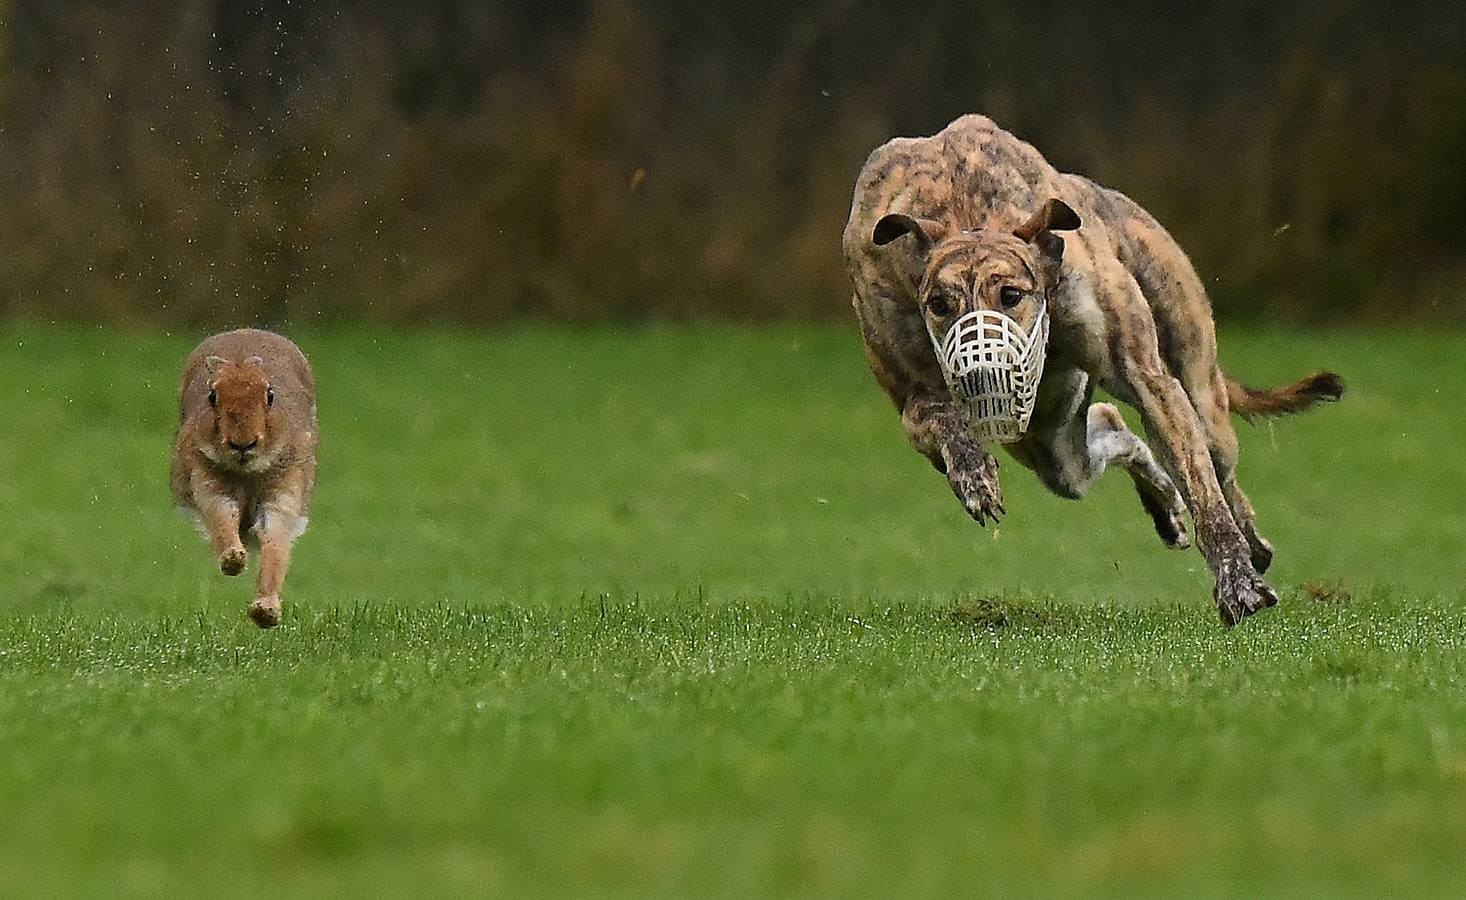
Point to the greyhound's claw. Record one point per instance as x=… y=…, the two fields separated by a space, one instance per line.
x=1240 y=592
x=979 y=494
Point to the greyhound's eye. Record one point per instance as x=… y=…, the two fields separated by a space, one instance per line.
x=269 y=396
x=213 y=398
x=939 y=305
x=1010 y=297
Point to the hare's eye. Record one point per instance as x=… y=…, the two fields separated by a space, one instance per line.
x=213 y=398
x=269 y=396
x=1010 y=297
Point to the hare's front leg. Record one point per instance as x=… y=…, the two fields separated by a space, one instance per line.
x=280 y=521
x=218 y=514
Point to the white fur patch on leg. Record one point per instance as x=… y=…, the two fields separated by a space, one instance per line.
x=1108 y=446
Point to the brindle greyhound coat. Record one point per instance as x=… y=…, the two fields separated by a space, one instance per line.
x=967 y=219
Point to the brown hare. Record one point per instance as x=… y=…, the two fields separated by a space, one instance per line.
x=244 y=460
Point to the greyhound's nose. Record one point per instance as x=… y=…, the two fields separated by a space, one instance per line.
x=244 y=448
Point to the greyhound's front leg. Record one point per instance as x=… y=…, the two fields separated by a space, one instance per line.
x=938 y=431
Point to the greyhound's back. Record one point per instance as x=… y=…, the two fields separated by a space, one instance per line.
x=971 y=175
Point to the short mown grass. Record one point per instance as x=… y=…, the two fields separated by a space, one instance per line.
x=677 y=612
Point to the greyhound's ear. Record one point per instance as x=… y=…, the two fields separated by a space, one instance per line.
x=1040 y=227
x=212 y=364
x=1054 y=216
x=926 y=231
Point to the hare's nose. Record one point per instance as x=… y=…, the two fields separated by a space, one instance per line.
x=244 y=448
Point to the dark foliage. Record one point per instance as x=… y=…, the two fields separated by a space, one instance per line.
x=202 y=163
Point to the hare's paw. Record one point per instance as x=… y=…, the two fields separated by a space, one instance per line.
x=231 y=561
x=265 y=611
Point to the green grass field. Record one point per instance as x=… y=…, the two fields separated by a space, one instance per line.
x=678 y=612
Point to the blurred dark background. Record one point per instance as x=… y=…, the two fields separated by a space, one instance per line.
x=628 y=160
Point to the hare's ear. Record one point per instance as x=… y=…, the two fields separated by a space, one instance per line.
x=254 y=361
x=213 y=363
x=926 y=231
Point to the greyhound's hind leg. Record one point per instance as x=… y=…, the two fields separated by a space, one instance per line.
x=1111 y=441
x=1072 y=453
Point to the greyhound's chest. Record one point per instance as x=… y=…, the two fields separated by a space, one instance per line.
x=1078 y=330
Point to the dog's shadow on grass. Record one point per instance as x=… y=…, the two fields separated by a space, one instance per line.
x=991 y=613
x=994 y=613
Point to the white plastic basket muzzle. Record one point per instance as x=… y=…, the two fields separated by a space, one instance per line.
x=993 y=366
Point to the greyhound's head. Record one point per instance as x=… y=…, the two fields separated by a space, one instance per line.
x=1007 y=271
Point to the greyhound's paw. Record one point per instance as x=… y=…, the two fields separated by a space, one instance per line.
x=1179 y=539
x=978 y=489
x=231 y=561
x=265 y=611
x=1240 y=592
x=1166 y=517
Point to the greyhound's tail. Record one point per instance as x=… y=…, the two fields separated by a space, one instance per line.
x=1250 y=403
